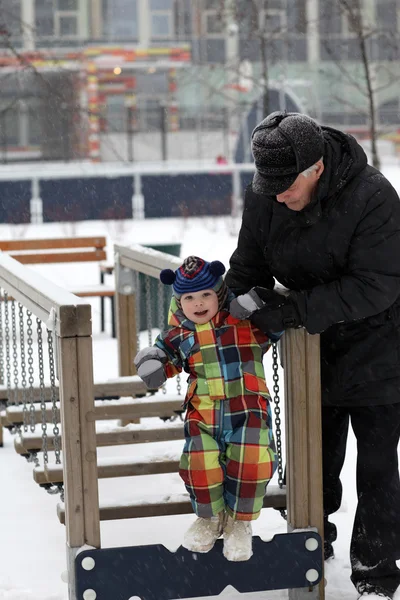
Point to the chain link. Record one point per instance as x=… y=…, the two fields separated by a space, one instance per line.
x=149 y=316
x=1 y=343
x=55 y=411
x=7 y=335
x=23 y=364
x=42 y=396
x=161 y=315
x=137 y=306
x=15 y=353
x=278 y=422
x=31 y=380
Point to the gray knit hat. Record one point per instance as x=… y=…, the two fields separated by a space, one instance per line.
x=283 y=145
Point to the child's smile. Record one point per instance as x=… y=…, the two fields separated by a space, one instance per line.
x=200 y=307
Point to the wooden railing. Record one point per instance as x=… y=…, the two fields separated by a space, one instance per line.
x=69 y=318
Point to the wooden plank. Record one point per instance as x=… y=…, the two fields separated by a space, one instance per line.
x=72 y=452
x=133 y=468
x=166 y=506
x=303 y=440
x=123 y=409
x=60 y=257
x=146 y=260
x=88 y=442
x=126 y=333
x=113 y=388
x=79 y=445
x=118 y=437
x=49 y=243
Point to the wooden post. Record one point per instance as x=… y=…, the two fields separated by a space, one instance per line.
x=126 y=327
x=303 y=440
x=126 y=333
x=79 y=440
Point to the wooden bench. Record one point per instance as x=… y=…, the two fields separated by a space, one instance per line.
x=67 y=250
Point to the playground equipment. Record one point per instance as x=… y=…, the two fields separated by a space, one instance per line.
x=64 y=350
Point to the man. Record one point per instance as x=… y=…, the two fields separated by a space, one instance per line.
x=326 y=225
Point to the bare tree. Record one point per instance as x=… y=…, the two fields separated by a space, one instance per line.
x=366 y=33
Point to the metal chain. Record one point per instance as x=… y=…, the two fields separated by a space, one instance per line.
x=15 y=353
x=42 y=396
x=2 y=373
x=55 y=411
x=161 y=288
x=137 y=306
x=149 y=316
x=278 y=422
x=23 y=364
x=8 y=358
x=31 y=380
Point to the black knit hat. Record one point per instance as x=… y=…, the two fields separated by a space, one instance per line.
x=284 y=145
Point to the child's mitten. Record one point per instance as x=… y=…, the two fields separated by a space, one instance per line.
x=149 y=363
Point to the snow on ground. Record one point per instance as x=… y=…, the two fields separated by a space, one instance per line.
x=32 y=542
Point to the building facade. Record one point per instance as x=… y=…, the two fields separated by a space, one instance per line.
x=75 y=74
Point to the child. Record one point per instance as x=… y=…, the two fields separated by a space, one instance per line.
x=229 y=452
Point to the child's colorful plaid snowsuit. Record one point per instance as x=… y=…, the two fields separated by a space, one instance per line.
x=229 y=453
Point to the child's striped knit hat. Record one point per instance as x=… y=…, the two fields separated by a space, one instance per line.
x=196 y=274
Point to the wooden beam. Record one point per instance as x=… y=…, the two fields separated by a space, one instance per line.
x=60 y=257
x=79 y=447
x=50 y=243
x=303 y=439
x=113 y=388
x=103 y=410
x=118 y=437
x=132 y=468
x=166 y=506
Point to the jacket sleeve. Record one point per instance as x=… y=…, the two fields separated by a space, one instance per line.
x=247 y=264
x=174 y=364
x=371 y=283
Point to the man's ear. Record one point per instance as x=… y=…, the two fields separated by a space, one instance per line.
x=321 y=167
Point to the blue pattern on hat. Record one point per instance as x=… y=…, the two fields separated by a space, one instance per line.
x=193 y=275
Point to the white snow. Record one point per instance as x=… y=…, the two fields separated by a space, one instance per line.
x=32 y=542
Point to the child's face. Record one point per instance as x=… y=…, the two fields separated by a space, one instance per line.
x=200 y=307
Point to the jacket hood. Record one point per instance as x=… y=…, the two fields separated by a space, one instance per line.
x=344 y=159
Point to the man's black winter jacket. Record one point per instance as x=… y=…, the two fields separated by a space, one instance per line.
x=342 y=254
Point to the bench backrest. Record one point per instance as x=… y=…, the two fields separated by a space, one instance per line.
x=84 y=249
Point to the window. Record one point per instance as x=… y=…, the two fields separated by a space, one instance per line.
x=57 y=18
x=120 y=19
x=10 y=16
x=183 y=18
x=161 y=24
x=67 y=25
x=386 y=15
x=274 y=21
x=162 y=18
x=296 y=15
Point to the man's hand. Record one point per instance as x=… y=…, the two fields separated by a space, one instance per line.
x=279 y=312
x=149 y=364
x=245 y=305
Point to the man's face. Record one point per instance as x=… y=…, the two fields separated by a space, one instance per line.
x=301 y=191
x=200 y=307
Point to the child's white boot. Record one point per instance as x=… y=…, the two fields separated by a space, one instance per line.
x=238 y=540
x=203 y=533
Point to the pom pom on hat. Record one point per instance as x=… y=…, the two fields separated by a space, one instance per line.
x=217 y=268
x=167 y=276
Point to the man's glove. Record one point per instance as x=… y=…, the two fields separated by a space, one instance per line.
x=245 y=305
x=279 y=312
x=149 y=364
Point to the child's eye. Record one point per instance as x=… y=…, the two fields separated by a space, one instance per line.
x=206 y=294
x=187 y=297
